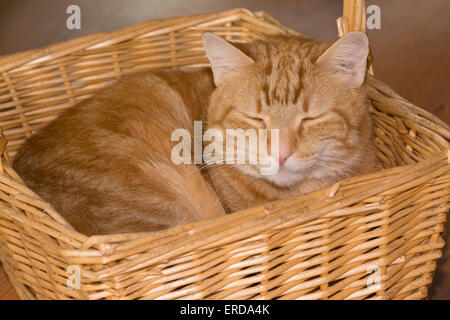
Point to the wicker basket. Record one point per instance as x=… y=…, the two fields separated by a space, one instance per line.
x=375 y=236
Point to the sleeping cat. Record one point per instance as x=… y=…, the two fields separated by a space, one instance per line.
x=105 y=164
x=309 y=91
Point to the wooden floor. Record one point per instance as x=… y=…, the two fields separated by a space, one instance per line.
x=411 y=50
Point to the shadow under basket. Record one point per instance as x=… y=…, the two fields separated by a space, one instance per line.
x=375 y=236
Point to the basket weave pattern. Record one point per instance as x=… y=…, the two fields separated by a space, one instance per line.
x=382 y=229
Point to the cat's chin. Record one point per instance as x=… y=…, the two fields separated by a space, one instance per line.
x=284 y=178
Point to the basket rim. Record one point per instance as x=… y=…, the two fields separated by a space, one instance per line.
x=18 y=59
x=104 y=244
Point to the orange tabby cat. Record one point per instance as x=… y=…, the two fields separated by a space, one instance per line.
x=309 y=91
x=105 y=164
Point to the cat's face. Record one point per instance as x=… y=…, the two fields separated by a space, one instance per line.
x=318 y=107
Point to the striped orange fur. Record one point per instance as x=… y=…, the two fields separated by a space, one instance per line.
x=312 y=93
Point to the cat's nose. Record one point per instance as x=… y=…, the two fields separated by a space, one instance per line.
x=284 y=154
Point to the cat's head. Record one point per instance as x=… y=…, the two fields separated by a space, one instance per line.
x=308 y=90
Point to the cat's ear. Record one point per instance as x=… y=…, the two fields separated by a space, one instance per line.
x=347 y=58
x=226 y=60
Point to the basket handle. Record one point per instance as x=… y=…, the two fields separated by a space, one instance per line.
x=354 y=19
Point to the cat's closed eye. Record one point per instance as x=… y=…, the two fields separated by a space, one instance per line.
x=257 y=121
x=307 y=120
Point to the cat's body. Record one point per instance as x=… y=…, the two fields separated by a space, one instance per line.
x=106 y=165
